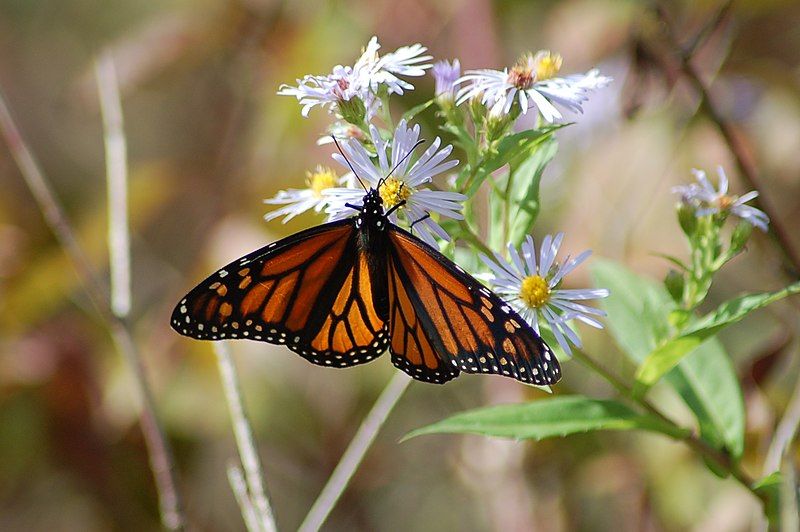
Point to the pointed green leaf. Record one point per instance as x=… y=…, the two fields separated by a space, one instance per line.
x=548 y=418
x=524 y=196
x=510 y=148
x=706 y=380
x=414 y=111
x=638 y=310
x=666 y=356
x=637 y=307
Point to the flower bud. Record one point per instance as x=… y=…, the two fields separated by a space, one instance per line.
x=352 y=110
x=687 y=218
x=674 y=282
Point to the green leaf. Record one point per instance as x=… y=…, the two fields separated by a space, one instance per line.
x=414 y=111
x=674 y=260
x=637 y=307
x=638 y=310
x=524 y=196
x=706 y=381
x=548 y=418
x=667 y=355
x=512 y=147
x=769 y=487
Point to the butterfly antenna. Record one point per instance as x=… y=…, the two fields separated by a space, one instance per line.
x=406 y=156
x=348 y=163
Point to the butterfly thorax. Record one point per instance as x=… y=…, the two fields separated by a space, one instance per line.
x=372 y=216
x=372 y=224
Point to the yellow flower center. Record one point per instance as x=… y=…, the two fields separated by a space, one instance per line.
x=547 y=64
x=321 y=179
x=530 y=68
x=725 y=202
x=534 y=292
x=521 y=74
x=393 y=191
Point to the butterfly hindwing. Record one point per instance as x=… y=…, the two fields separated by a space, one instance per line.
x=412 y=350
x=313 y=291
x=467 y=326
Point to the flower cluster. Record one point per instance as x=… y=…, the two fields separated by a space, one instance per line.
x=478 y=110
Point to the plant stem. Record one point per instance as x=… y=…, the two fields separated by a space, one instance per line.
x=239 y=487
x=473 y=238
x=245 y=442
x=355 y=452
x=698 y=445
x=117 y=176
x=162 y=463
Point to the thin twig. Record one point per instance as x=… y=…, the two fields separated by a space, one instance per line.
x=162 y=463
x=117 y=174
x=733 y=139
x=355 y=453
x=239 y=487
x=712 y=24
x=245 y=442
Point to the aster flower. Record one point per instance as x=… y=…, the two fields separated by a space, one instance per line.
x=532 y=83
x=707 y=200
x=445 y=75
x=532 y=288
x=383 y=70
x=351 y=91
x=298 y=201
x=342 y=91
x=406 y=183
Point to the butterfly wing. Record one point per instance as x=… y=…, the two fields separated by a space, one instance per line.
x=443 y=321
x=313 y=291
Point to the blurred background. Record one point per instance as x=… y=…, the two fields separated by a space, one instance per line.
x=208 y=139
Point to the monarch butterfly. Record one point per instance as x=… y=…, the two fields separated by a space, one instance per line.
x=342 y=293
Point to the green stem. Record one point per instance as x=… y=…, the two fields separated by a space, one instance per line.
x=473 y=238
x=698 y=445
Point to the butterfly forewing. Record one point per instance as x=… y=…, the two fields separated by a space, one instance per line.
x=467 y=326
x=313 y=291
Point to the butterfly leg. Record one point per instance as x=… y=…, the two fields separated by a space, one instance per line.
x=415 y=222
x=356 y=207
x=390 y=211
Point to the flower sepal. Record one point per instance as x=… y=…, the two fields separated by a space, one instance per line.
x=353 y=111
x=687 y=218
